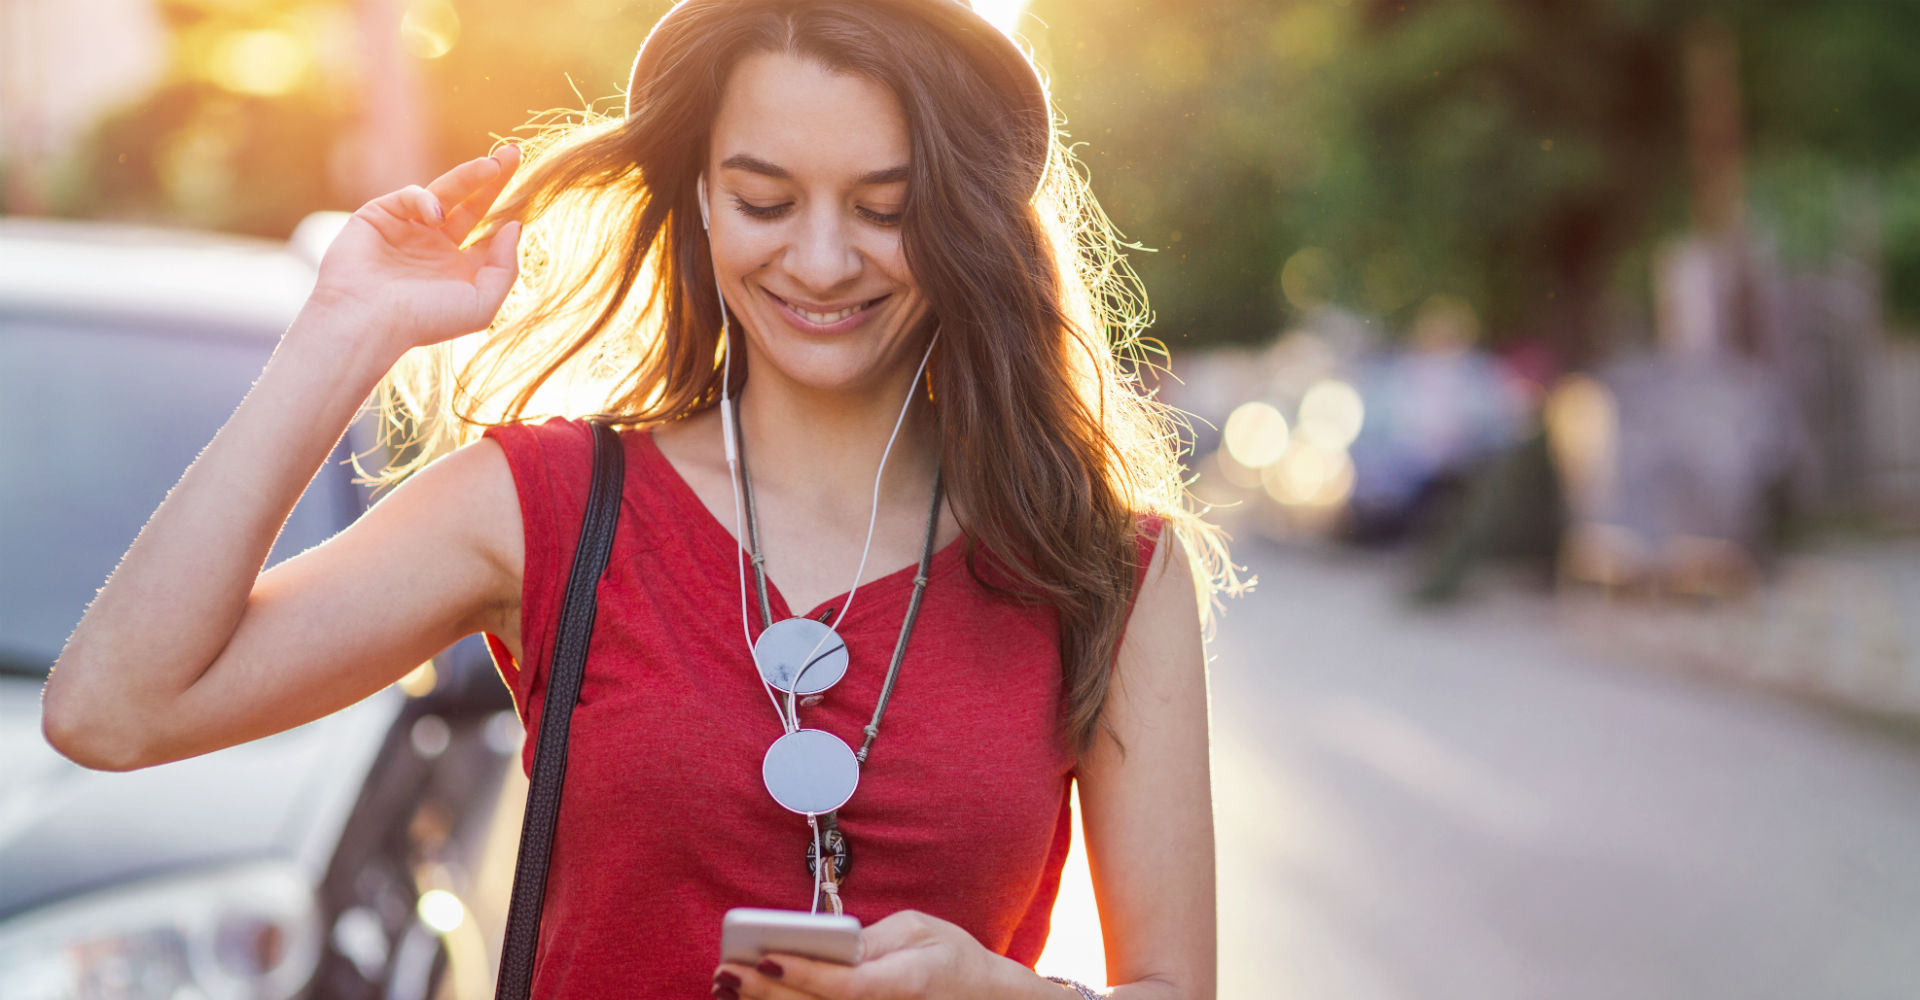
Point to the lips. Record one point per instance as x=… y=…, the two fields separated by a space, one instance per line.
x=826 y=321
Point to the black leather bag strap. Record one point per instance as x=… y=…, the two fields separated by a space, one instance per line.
x=563 y=690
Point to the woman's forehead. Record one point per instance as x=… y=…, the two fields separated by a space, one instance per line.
x=807 y=120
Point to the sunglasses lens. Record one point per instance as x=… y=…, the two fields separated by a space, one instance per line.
x=804 y=649
x=810 y=771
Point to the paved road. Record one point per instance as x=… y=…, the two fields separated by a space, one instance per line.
x=1473 y=804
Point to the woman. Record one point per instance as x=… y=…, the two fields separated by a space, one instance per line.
x=914 y=283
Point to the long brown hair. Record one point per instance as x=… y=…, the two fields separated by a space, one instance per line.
x=1052 y=449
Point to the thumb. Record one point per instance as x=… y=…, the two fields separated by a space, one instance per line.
x=501 y=267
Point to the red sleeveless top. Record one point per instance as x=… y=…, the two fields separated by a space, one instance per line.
x=962 y=810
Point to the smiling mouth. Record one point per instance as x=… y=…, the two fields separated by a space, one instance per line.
x=826 y=318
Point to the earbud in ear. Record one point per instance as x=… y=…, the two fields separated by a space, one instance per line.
x=705 y=223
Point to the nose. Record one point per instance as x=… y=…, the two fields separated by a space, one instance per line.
x=823 y=255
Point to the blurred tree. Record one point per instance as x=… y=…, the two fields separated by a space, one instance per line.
x=1278 y=154
x=1514 y=152
x=514 y=61
x=1834 y=122
x=261 y=114
x=236 y=135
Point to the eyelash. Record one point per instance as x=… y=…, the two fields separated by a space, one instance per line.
x=753 y=211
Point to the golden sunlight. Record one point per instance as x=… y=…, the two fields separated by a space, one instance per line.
x=1074 y=949
x=264 y=62
x=1003 y=14
x=429 y=28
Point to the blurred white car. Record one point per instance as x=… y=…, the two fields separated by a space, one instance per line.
x=330 y=861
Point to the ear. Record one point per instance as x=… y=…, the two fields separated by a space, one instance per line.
x=705 y=223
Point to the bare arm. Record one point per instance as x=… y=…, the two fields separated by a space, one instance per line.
x=1148 y=811
x=188 y=647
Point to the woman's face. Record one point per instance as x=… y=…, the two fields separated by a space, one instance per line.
x=806 y=181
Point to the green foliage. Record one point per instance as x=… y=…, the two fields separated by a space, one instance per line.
x=1521 y=154
x=1513 y=152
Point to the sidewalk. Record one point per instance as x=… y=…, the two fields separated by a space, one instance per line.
x=1840 y=625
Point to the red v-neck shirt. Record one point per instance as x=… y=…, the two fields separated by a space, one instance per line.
x=962 y=810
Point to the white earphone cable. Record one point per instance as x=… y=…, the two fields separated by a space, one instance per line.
x=792 y=717
x=733 y=482
x=789 y=714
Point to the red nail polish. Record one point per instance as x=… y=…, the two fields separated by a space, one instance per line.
x=727 y=980
x=723 y=993
x=769 y=967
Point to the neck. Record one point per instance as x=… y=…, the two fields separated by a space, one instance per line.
x=827 y=446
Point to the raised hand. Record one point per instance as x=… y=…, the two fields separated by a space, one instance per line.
x=398 y=273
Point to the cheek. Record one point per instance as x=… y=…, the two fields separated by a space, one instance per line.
x=739 y=250
x=890 y=255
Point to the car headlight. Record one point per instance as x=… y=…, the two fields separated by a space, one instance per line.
x=249 y=931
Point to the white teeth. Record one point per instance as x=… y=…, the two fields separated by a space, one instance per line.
x=822 y=319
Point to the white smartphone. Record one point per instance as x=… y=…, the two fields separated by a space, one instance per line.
x=746 y=935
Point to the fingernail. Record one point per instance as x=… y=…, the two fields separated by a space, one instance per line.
x=726 y=994
x=769 y=967
x=727 y=980
x=439 y=214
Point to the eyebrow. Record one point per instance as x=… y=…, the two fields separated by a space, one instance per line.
x=756 y=165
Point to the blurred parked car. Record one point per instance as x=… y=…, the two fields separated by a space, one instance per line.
x=331 y=861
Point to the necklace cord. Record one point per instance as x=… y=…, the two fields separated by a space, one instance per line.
x=753 y=532
x=792 y=718
x=906 y=628
x=813 y=823
x=743 y=484
x=739 y=482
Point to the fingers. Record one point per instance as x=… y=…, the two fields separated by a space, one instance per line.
x=500 y=266
x=416 y=204
x=472 y=187
x=782 y=977
x=395 y=213
x=469 y=188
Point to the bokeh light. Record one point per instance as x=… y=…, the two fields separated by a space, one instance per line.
x=430 y=28
x=441 y=910
x=1331 y=414
x=1309 y=476
x=1255 y=435
x=1306 y=279
x=265 y=62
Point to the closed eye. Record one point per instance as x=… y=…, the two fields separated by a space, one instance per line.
x=761 y=211
x=754 y=211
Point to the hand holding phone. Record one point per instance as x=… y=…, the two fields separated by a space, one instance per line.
x=747 y=935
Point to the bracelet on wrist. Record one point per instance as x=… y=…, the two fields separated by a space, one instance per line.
x=1086 y=992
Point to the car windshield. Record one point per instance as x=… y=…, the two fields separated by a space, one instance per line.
x=97 y=422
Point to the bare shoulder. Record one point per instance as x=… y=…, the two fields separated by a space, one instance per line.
x=1157 y=695
x=690 y=445
x=1166 y=613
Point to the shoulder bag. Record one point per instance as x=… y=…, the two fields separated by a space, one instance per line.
x=563 y=690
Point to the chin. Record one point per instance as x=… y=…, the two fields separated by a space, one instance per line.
x=843 y=367
x=874 y=362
